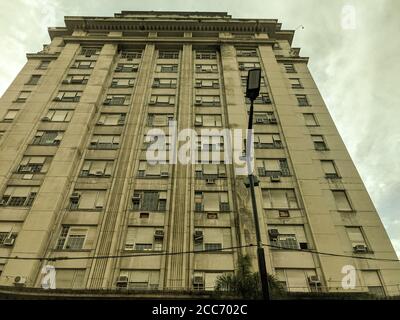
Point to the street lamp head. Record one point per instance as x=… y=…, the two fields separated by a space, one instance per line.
x=253 y=83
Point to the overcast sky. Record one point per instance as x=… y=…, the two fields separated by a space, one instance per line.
x=355 y=63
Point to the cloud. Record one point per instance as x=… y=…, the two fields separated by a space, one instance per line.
x=356 y=70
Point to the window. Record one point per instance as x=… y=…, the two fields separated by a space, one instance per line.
x=23 y=96
x=207 y=100
x=144 y=239
x=295 y=83
x=319 y=142
x=245 y=66
x=44 y=64
x=207 y=83
x=310 y=120
x=83 y=64
x=357 y=239
x=263 y=98
x=131 y=54
x=243 y=80
x=159 y=120
x=168 y=54
x=302 y=100
x=104 y=142
x=167 y=68
x=341 y=200
x=140 y=279
x=87 y=200
x=10 y=115
x=272 y=167
x=76 y=79
x=58 y=115
x=211 y=239
x=127 y=67
x=18 y=196
x=48 y=138
x=289 y=67
x=210 y=171
x=279 y=199
x=206 y=68
x=211 y=201
x=288 y=236
x=208 y=120
x=70 y=278
x=34 y=164
x=117 y=100
x=162 y=99
x=163 y=141
x=71 y=238
x=267 y=141
x=210 y=143
x=157 y=170
x=206 y=55
x=149 y=200
x=68 y=96
x=34 y=80
x=164 y=83
x=4 y=236
x=246 y=52
x=111 y=119
x=1 y=134
x=373 y=282
x=328 y=166
x=264 y=118
x=298 y=280
x=90 y=51
x=122 y=82
x=97 y=168
x=212 y=246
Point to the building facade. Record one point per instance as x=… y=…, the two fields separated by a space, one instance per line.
x=76 y=183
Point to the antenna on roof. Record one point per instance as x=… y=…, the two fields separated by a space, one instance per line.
x=300 y=26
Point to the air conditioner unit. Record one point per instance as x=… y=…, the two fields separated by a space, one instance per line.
x=46 y=119
x=273 y=121
x=107 y=101
x=99 y=173
x=75 y=196
x=198 y=236
x=360 y=248
x=260 y=120
x=118 y=69
x=273 y=233
x=159 y=234
x=164 y=174
x=275 y=178
x=19 y=281
x=210 y=181
x=122 y=281
x=65 y=82
x=198 y=280
x=9 y=241
x=198 y=123
x=2 y=202
x=314 y=280
x=136 y=197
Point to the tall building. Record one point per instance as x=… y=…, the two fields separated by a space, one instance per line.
x=75 y=180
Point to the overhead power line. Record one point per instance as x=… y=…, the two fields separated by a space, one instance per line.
x=161 y=253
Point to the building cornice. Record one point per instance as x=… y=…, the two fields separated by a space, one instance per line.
x=185 y=24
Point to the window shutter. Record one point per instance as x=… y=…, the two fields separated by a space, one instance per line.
x=273 y=165
x=328 y=167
